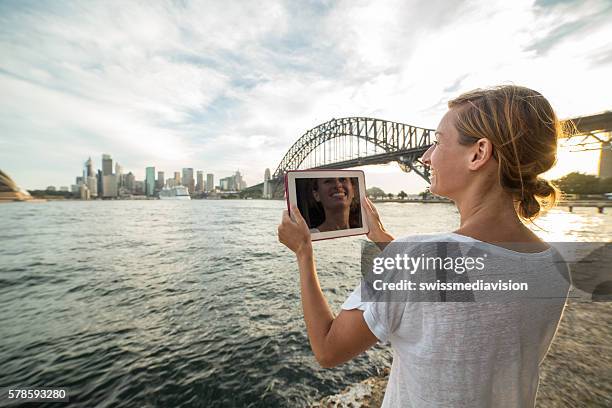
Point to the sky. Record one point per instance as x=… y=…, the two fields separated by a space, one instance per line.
x=226 y=86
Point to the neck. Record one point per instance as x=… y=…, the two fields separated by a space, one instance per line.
x=486 y=210
x=336 y=219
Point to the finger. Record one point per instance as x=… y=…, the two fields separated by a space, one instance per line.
x=286 y=218
x=298 y=216
x=368 y=205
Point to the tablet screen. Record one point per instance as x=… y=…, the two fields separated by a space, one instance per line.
x=329 y=201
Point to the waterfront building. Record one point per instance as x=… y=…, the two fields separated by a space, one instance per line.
x=160 y=180
x=232 y=183
x=150 y=181
x=10 y=191
x=89 y=170
x=107 y=165
x=188 y=180
x=109 y=186
x=84 y=192
x=76 y=188
x=200 y=187
x=171 y=183
x=118 y=169
x=92 y=186
x=139 y=187
x=224 y=184
x=177 y=178
x=128 y=182
x=210 y=182
x=99 y=183
x=50 y=188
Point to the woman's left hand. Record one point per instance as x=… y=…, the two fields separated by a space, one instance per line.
x=295 y=235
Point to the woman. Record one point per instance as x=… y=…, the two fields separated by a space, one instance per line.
x=490 y=147
x=334 y=204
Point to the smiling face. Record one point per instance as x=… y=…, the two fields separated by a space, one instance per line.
x=448 y=160
x=334 y=193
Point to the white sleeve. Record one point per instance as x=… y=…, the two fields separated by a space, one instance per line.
x=382 y=318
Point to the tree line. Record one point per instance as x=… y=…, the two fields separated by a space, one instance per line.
x=571 y=183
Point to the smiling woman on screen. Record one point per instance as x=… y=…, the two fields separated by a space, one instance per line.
x=490 y=148
x=334 y=203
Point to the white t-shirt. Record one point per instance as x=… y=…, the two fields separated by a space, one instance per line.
x=471 y=354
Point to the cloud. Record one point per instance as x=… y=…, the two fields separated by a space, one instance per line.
x=221 y=86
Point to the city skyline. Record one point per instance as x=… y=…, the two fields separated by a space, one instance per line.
x=186 y=85
x=98 y=182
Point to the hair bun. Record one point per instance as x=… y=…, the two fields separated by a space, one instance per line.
x=530 y=205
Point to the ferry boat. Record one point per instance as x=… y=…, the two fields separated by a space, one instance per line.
x=174 y=193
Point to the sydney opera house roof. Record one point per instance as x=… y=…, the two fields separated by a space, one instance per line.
x=9 y=191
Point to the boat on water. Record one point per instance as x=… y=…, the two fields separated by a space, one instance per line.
x=174 y=193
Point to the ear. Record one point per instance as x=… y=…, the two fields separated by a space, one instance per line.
x=480 y=153
x=316 y=196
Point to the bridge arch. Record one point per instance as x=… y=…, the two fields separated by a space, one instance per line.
x=395 y=141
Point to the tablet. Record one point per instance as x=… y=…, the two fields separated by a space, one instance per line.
x=329 y=200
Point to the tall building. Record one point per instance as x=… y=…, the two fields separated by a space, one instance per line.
x=160 y=180
x=107 y=165
x=118 y=169
x=92 y=185
x=99 y=183
x=128 y=183
x=224 y=184
x=188 y=180
x=89 y=170
x=200 y=181
x=139 y=187
x=177 y=178
x=210 y=182
x=84 y=192
x=109 y=186
x=150 y=181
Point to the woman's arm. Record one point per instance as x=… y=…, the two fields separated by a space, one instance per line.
x=333 y=340
x=377 y=234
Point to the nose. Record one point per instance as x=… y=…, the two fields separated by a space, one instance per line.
x=426 y=158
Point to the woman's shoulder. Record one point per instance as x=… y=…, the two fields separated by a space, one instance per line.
x=429 y=237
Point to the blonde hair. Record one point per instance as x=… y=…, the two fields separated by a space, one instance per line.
x=523 y=128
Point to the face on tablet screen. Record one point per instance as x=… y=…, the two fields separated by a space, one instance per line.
x=329 y=204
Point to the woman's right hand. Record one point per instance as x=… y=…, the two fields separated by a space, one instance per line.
x=377 y=232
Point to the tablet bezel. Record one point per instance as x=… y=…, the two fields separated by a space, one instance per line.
x=291 y=197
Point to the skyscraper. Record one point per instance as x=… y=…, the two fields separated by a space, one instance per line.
x=119 y=175
x=99 y=183
x=188 y=180
x=200 y=185
x=129 y=182
x=107 y=165
x=109 y=186
x=210 y=182
x=89 y=170
x=150 y=181
x=177 y=178
x=160 y=180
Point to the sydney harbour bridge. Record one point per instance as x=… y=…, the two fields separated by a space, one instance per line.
x=359 y=141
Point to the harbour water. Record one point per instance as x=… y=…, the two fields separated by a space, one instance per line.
x=186 y=303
